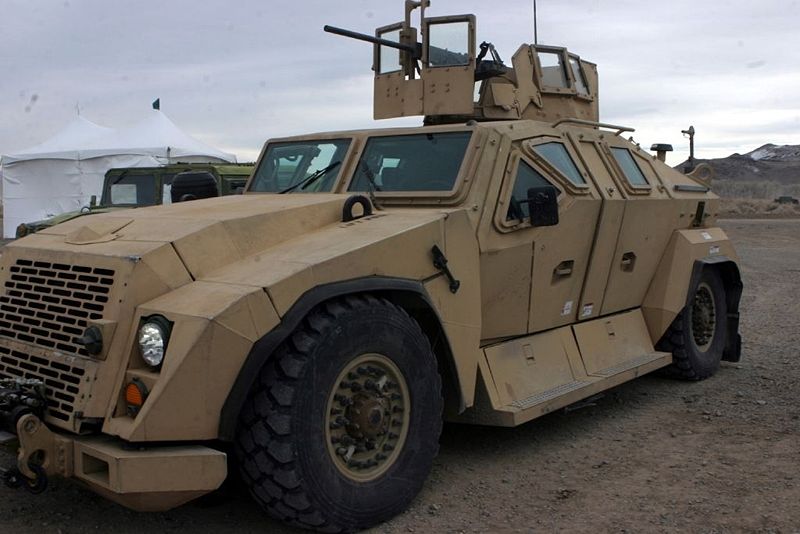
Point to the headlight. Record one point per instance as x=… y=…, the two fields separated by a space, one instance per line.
x=153 y=338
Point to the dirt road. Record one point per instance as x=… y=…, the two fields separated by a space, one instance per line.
x=653 y=455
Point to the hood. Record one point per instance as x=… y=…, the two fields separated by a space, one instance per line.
x=211 y=233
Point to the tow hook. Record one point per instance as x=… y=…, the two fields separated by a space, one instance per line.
x=13 y=478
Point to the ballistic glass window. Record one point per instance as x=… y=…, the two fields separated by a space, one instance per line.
x=389 y=57
x=556 y=154
x=526 y=178
x=287 y=164
x=632 y=171
x=580 y=80
x=448 y=44
x=419 y=162
x=553 y=72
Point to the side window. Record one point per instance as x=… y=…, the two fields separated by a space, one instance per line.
x=632 y=171
x=526 y=178
x=556 y=155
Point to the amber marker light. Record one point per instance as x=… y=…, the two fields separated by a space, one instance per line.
x=135 y=395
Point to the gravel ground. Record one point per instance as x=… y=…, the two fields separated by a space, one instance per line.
x=653 y=455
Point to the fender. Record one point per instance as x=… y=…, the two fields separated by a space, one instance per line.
x=732 y=280
x=677 y=274
x=399 y=288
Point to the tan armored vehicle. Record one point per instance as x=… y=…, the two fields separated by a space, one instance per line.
x=507 y=259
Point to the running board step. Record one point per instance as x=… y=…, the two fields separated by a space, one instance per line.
x=630 y=364
x=549 y=394
x=544 y=402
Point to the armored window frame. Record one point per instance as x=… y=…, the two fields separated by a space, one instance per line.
x=576 y=188
x=376 y=60
x=628 y=184
x=564 y=63
x=584 y=79
x=337 y=173
x=517 y=158
x=412 y=195
x=433 y=21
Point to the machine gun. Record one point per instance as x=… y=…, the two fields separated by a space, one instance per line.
x=437 y=75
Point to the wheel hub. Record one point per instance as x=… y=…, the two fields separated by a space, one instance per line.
x=703 y=317
x=367 y=417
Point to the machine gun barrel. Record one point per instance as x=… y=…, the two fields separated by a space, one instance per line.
x=413 y=50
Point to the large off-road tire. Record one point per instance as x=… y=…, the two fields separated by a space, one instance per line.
x=697 y=336
x=341 y=427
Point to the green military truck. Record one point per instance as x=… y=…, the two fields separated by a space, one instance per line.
x=134 y=187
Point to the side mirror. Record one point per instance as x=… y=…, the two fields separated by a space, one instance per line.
x=543 y=205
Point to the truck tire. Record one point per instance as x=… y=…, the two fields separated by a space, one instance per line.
x=696 y=337
x=340 y=430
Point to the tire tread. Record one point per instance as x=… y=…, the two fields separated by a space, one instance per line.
x=264 y=443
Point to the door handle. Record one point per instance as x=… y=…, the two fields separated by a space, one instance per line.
x=564 y=268
x=628 y=261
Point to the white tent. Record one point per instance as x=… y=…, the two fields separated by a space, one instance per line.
x=63 y=173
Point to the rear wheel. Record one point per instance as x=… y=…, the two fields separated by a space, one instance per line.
x=697 y=336
x=342 y=426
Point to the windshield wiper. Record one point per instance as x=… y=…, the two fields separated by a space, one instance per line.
x=302 y=184
x=371 y=183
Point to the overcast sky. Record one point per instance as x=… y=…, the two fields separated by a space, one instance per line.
x=234 y=73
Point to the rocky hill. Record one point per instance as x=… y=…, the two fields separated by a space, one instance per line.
x=766 y=172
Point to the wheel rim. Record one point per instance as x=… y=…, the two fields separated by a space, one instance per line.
x=704 y=318
x=367 y=417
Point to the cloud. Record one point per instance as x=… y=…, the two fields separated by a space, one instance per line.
x=235 y=73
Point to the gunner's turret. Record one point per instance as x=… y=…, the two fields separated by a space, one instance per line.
x=447 y=78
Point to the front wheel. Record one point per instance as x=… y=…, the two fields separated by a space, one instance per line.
x=697 y=336
x=342 y=426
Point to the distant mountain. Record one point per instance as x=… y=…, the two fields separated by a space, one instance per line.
x=770 y=152
x=779 y=164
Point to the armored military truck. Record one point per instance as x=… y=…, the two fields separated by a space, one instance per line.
x=133 y=187
x=509 y=258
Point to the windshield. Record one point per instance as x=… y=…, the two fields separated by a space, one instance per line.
x=286 y=165
x=419 y=162
x=132 y=190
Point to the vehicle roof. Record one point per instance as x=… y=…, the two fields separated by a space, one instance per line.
x=459 y=126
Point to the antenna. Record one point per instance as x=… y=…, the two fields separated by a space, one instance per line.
x=535 y=26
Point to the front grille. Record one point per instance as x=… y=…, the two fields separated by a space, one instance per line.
x=61 y=377
x=50 y=304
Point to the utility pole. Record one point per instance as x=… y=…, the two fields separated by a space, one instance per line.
x=535 y=25
x=690 y=132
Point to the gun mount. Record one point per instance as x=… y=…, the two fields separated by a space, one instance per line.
x=446 y=78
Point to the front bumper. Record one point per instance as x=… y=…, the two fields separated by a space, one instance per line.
x=144 y=479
